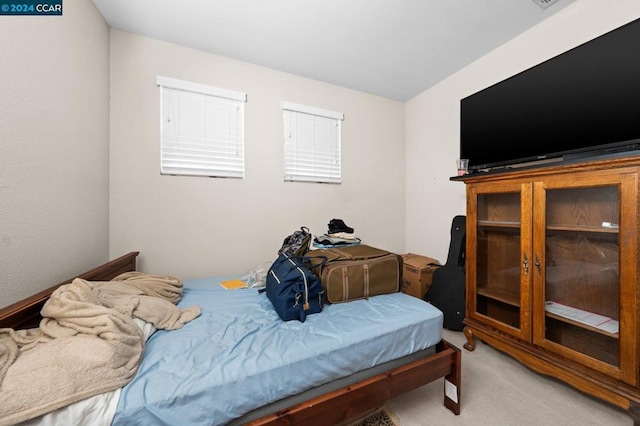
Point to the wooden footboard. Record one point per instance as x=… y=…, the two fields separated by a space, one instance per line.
x=351 y=401
x=26 y=313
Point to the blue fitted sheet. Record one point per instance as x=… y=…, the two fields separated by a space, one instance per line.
x=239 y=355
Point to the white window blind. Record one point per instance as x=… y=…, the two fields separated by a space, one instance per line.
x=202 y=130
x=311 y=144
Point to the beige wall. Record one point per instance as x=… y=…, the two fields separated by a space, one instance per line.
x=193 y=226
x=432 y=118
x=54 y=88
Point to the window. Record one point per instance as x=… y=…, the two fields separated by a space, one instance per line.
x=311 y=144
x=202 y=130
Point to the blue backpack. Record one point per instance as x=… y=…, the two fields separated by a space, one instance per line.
x=293 y=290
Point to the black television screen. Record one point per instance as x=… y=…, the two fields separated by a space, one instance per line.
x=582 y=101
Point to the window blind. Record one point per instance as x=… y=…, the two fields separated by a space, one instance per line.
x=311 y=144
x=202 y=130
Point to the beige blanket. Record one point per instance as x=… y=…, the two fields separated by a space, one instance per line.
x=87 y=342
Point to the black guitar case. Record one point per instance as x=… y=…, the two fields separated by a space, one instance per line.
x=447 y=290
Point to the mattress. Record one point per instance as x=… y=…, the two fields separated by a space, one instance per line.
x=239 y=355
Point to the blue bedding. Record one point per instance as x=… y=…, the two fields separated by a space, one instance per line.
x=239 y=355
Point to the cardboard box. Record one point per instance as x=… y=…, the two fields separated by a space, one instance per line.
x=417 y=274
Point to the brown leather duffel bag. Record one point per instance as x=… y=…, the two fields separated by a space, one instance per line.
x=356 y=272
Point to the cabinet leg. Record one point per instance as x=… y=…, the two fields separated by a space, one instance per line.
x=471 y=343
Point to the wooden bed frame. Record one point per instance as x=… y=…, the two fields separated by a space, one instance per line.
x=334 y=407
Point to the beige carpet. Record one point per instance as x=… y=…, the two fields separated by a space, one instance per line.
x=497 y=390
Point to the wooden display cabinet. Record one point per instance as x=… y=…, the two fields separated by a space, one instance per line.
x=552 y=275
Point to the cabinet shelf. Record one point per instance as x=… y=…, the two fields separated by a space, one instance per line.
x=509 y=297
x=499 y=224
x=572 y=228
x=583 y=319
x=584 y=228
x=581 y=325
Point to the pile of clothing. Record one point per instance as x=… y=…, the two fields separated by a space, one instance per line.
x=338 y=235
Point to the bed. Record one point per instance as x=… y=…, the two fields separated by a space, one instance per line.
x=345 y=395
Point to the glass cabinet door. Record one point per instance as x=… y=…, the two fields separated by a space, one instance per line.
x=552 y=261
x=582 y=271
x=498 y=236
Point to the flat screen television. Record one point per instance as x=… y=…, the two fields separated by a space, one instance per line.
x=583 y=102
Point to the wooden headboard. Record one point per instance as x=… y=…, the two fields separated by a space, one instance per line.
x=26 y=312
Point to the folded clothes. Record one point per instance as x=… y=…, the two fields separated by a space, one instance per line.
x=335 y=241
x=328 y=246
x=343 y=236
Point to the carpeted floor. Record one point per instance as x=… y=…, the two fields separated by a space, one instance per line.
x=498 y=390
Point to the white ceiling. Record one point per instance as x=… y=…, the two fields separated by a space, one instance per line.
x=392 y=48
